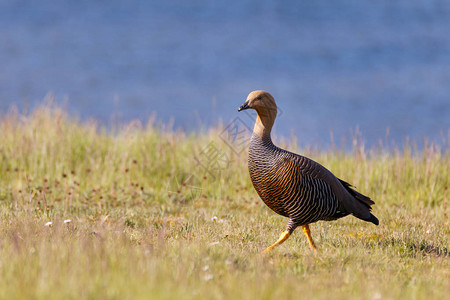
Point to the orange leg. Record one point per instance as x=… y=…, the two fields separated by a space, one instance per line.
x=284 y=236
x=308 y=235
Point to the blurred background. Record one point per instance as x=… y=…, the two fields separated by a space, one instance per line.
x=331 y=65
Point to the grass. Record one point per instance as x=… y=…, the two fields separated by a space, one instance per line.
x=137 y=213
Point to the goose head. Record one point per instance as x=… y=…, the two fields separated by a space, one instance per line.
x=261 y=101
x=266 y=108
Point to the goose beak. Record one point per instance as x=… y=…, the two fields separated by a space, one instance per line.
x=244 y=106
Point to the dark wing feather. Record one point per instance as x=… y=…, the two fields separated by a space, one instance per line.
x=362 y=198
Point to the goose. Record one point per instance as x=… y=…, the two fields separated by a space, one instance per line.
x=293 y=185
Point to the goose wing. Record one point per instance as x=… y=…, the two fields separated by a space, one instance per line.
x=349 y=199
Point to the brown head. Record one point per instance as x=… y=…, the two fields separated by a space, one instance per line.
x=266 y=108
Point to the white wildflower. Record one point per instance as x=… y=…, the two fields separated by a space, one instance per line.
x=67 y=221
x=48 y=224
x=208 y=277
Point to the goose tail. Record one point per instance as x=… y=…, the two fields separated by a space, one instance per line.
x=366 y=201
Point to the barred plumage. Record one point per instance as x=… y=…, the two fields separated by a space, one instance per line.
x=295 y=186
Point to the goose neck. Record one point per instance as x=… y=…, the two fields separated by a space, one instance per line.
x=263 y=126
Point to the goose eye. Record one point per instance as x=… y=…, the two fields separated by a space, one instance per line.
x=258 y=98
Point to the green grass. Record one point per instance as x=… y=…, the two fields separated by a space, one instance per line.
x=142 y=227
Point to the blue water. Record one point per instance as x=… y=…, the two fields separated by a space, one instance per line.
x=331 y=65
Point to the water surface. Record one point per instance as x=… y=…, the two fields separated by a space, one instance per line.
x=331 y=65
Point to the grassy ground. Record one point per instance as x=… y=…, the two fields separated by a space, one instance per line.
x=145 y=212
